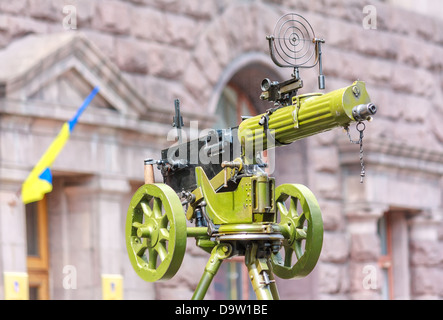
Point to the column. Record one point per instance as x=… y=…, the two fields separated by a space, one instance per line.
x=364 y=270
x=12 y=236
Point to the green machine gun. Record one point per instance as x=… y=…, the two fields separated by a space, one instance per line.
x=220 y=185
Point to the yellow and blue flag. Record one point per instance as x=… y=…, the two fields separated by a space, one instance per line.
x=39 y=181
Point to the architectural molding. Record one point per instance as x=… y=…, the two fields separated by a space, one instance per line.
x=61 y=69
x=390 y=153
x=35 y=61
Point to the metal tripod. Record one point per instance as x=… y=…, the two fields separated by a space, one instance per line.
x=259 y=270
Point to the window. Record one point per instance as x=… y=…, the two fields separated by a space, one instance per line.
x=394 y=259
x=233 y=104
x=37 y=250
x=385 y=260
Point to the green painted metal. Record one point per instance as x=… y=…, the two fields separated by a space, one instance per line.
x=302 y=226
x=260 y=274
x=219 y=253
x=252 y=201
x=239 y=211
x=268 y=228
x=155 y=232
x=310 y=114
x=278 y=230
x=197 y=232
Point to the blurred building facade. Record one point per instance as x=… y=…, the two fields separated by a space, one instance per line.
x=383 y=239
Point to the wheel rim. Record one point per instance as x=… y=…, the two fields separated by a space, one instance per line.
x=302 y=226
x=155 y=232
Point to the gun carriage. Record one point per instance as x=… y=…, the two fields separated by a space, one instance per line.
x=219 y=183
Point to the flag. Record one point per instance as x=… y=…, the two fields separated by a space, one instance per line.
x=39 y=181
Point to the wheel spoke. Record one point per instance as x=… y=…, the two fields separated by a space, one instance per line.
x=146 y=208
x=137 y=225
x=157 y=207
x=163 y=221
x=140 y=248
x=300 y=220
x=282 y=208
x=293 y=206
x=298 y=249
x=161 y=249
x=152 y=262
x=301 y=233
x=163 y=234
x=288 y=256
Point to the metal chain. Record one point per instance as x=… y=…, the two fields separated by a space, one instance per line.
x=360 y=128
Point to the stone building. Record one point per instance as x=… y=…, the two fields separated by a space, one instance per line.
x=383 y=239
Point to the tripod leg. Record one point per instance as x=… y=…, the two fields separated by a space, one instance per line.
x=273 y=286
x=218 y=254
x=261 y=276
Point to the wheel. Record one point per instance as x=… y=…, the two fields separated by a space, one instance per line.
x=156 y=232
x=302 y=226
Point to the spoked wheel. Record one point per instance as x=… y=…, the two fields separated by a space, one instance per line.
x=156 y=232
x=302 y=227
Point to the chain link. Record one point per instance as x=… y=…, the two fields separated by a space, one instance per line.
x=360 y=128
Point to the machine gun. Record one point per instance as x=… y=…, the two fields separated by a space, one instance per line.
x=220 y=184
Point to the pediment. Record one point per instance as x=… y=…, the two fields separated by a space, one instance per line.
x=70 y=87
x=62 y=69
